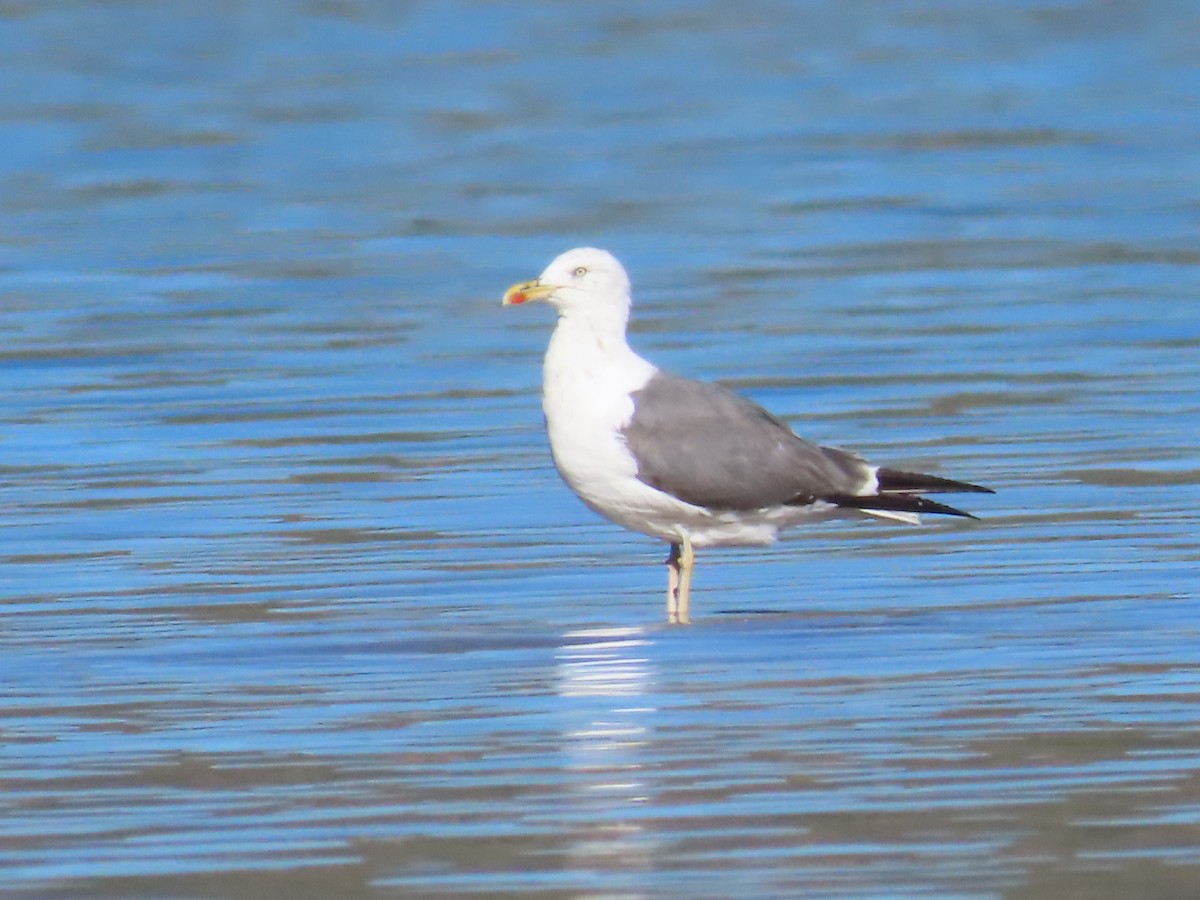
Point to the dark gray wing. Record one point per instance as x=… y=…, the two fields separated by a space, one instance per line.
x=708 y=446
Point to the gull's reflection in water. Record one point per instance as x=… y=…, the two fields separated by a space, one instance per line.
x=603 y=677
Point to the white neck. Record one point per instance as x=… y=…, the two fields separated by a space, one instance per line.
x=592 y=353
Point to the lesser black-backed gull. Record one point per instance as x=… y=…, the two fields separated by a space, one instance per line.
x=690 y=463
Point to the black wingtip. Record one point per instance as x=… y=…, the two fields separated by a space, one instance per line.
x=894 y=481
x=910 y=503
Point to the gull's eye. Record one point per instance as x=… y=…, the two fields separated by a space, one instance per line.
x=580 y=271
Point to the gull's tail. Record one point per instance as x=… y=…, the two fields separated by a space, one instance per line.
x=898 y=496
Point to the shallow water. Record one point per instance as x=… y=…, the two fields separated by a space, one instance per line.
x=292 y=602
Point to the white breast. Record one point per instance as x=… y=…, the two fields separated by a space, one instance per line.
x=585 y=395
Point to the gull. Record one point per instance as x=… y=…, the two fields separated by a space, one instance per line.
x=688 y=462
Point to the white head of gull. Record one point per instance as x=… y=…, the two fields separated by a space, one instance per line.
x=684 y=461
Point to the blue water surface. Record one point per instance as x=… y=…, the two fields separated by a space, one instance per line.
x=292 y=602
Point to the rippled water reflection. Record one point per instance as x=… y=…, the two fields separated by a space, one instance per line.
x=292 y=602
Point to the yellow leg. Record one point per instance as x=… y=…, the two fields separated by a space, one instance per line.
x=679 y=582
x=683 y=593
x=673 y=585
